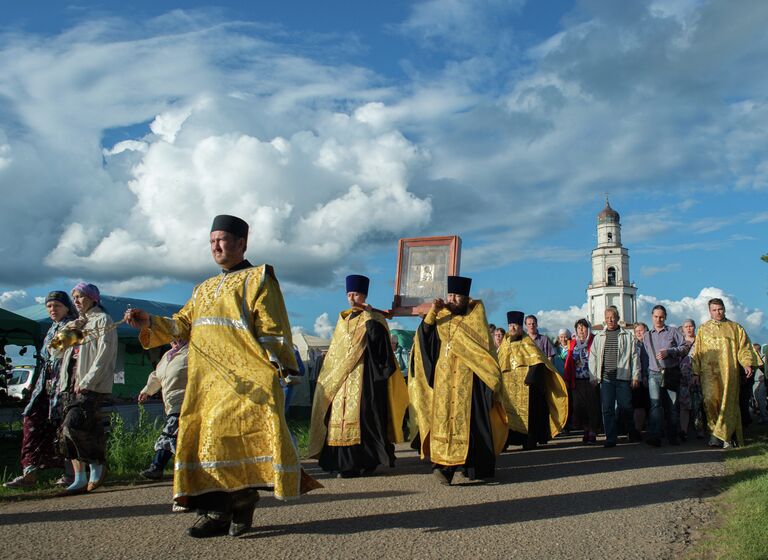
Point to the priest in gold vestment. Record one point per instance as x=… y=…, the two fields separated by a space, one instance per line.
x=721 y=348
x=454 y=388
x=233 y=438
x=361 y=398
x=534 y=394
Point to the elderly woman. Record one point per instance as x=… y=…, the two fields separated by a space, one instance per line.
x=641 y=397
x=561 y=350
x=689 y=393
x=40 y=414
x=87 y=373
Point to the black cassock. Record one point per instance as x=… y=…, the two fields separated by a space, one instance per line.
x=374 y=448
x=481 y=459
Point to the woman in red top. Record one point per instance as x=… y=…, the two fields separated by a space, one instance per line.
x=586 y=400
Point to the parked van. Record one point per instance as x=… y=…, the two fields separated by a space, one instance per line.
x=20 y=383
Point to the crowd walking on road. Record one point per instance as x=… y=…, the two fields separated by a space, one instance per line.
x=471 y=390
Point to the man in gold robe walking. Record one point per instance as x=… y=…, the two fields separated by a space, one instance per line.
x=534 y=394
x=722 y=346
x=454 y=387
x=361 y=398
x=233 y=438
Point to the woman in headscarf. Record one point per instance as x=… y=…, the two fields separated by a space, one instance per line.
x=561 y=350
x=40 y=414
x=87 y=374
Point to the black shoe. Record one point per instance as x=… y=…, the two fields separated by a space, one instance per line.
x=206 y=526
x=152 y=473
x=442 y=477
x=368 y=472
x=242 y=517
x=635 y=436
x=655 y=442
x=609 y=444
x=674 y=441
x=348 y=474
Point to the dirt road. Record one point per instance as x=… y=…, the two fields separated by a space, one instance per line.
x=561 y=501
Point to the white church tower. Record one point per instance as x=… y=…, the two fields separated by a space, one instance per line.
x=610 y=272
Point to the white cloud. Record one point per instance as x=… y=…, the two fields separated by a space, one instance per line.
x=461 y=24
x=492 y=298
x=5 y=154
x=15 y=299
x=328 y=160
x=323 y=327
x=760 y=218
x=553 y=320
x=649 y=271
x=134 y=284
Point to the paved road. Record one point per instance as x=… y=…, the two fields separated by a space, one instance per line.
x=562 y=501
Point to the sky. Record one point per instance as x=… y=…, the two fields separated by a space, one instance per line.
x=336 y=128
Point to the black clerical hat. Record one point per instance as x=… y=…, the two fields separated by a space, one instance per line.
x=515 y=317
x=358 y=283
x=459 y=285
x=231 y=224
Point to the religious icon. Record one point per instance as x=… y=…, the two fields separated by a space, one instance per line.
x=425 y=273
x=423 y=266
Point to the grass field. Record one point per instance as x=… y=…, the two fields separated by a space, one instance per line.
x=741 y=532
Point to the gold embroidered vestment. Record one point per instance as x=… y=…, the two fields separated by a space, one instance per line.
x=339 y=387
x=515 y=359
x=232 y=428
x=718 y=350
x=443 y=411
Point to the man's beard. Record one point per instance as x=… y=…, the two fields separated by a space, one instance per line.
x=515 y=337
x=457 y=309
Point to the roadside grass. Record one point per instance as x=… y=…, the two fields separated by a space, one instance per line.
x=129 y=451
x=741 y=532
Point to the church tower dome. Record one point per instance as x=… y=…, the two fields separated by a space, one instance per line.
x=608 y=214
x=610 y=272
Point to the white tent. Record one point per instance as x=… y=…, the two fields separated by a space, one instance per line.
x=310 y=348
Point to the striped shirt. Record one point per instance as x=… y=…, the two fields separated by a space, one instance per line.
x=611 y=353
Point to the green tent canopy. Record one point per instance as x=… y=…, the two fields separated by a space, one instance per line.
x=18 y=329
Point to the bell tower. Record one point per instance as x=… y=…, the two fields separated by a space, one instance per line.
x=610 y=272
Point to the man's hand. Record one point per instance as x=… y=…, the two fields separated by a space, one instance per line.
x=594 y=381
x=635 y=383
x=143 y=397
x=137 y=318
x=749 y=371
x=661 y=354
x=438 y=304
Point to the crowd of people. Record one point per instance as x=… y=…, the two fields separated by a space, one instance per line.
x=470 y=390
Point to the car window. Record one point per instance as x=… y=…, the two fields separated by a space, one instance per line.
x=19 y=376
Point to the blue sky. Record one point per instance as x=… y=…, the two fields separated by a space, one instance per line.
x=336 y=131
